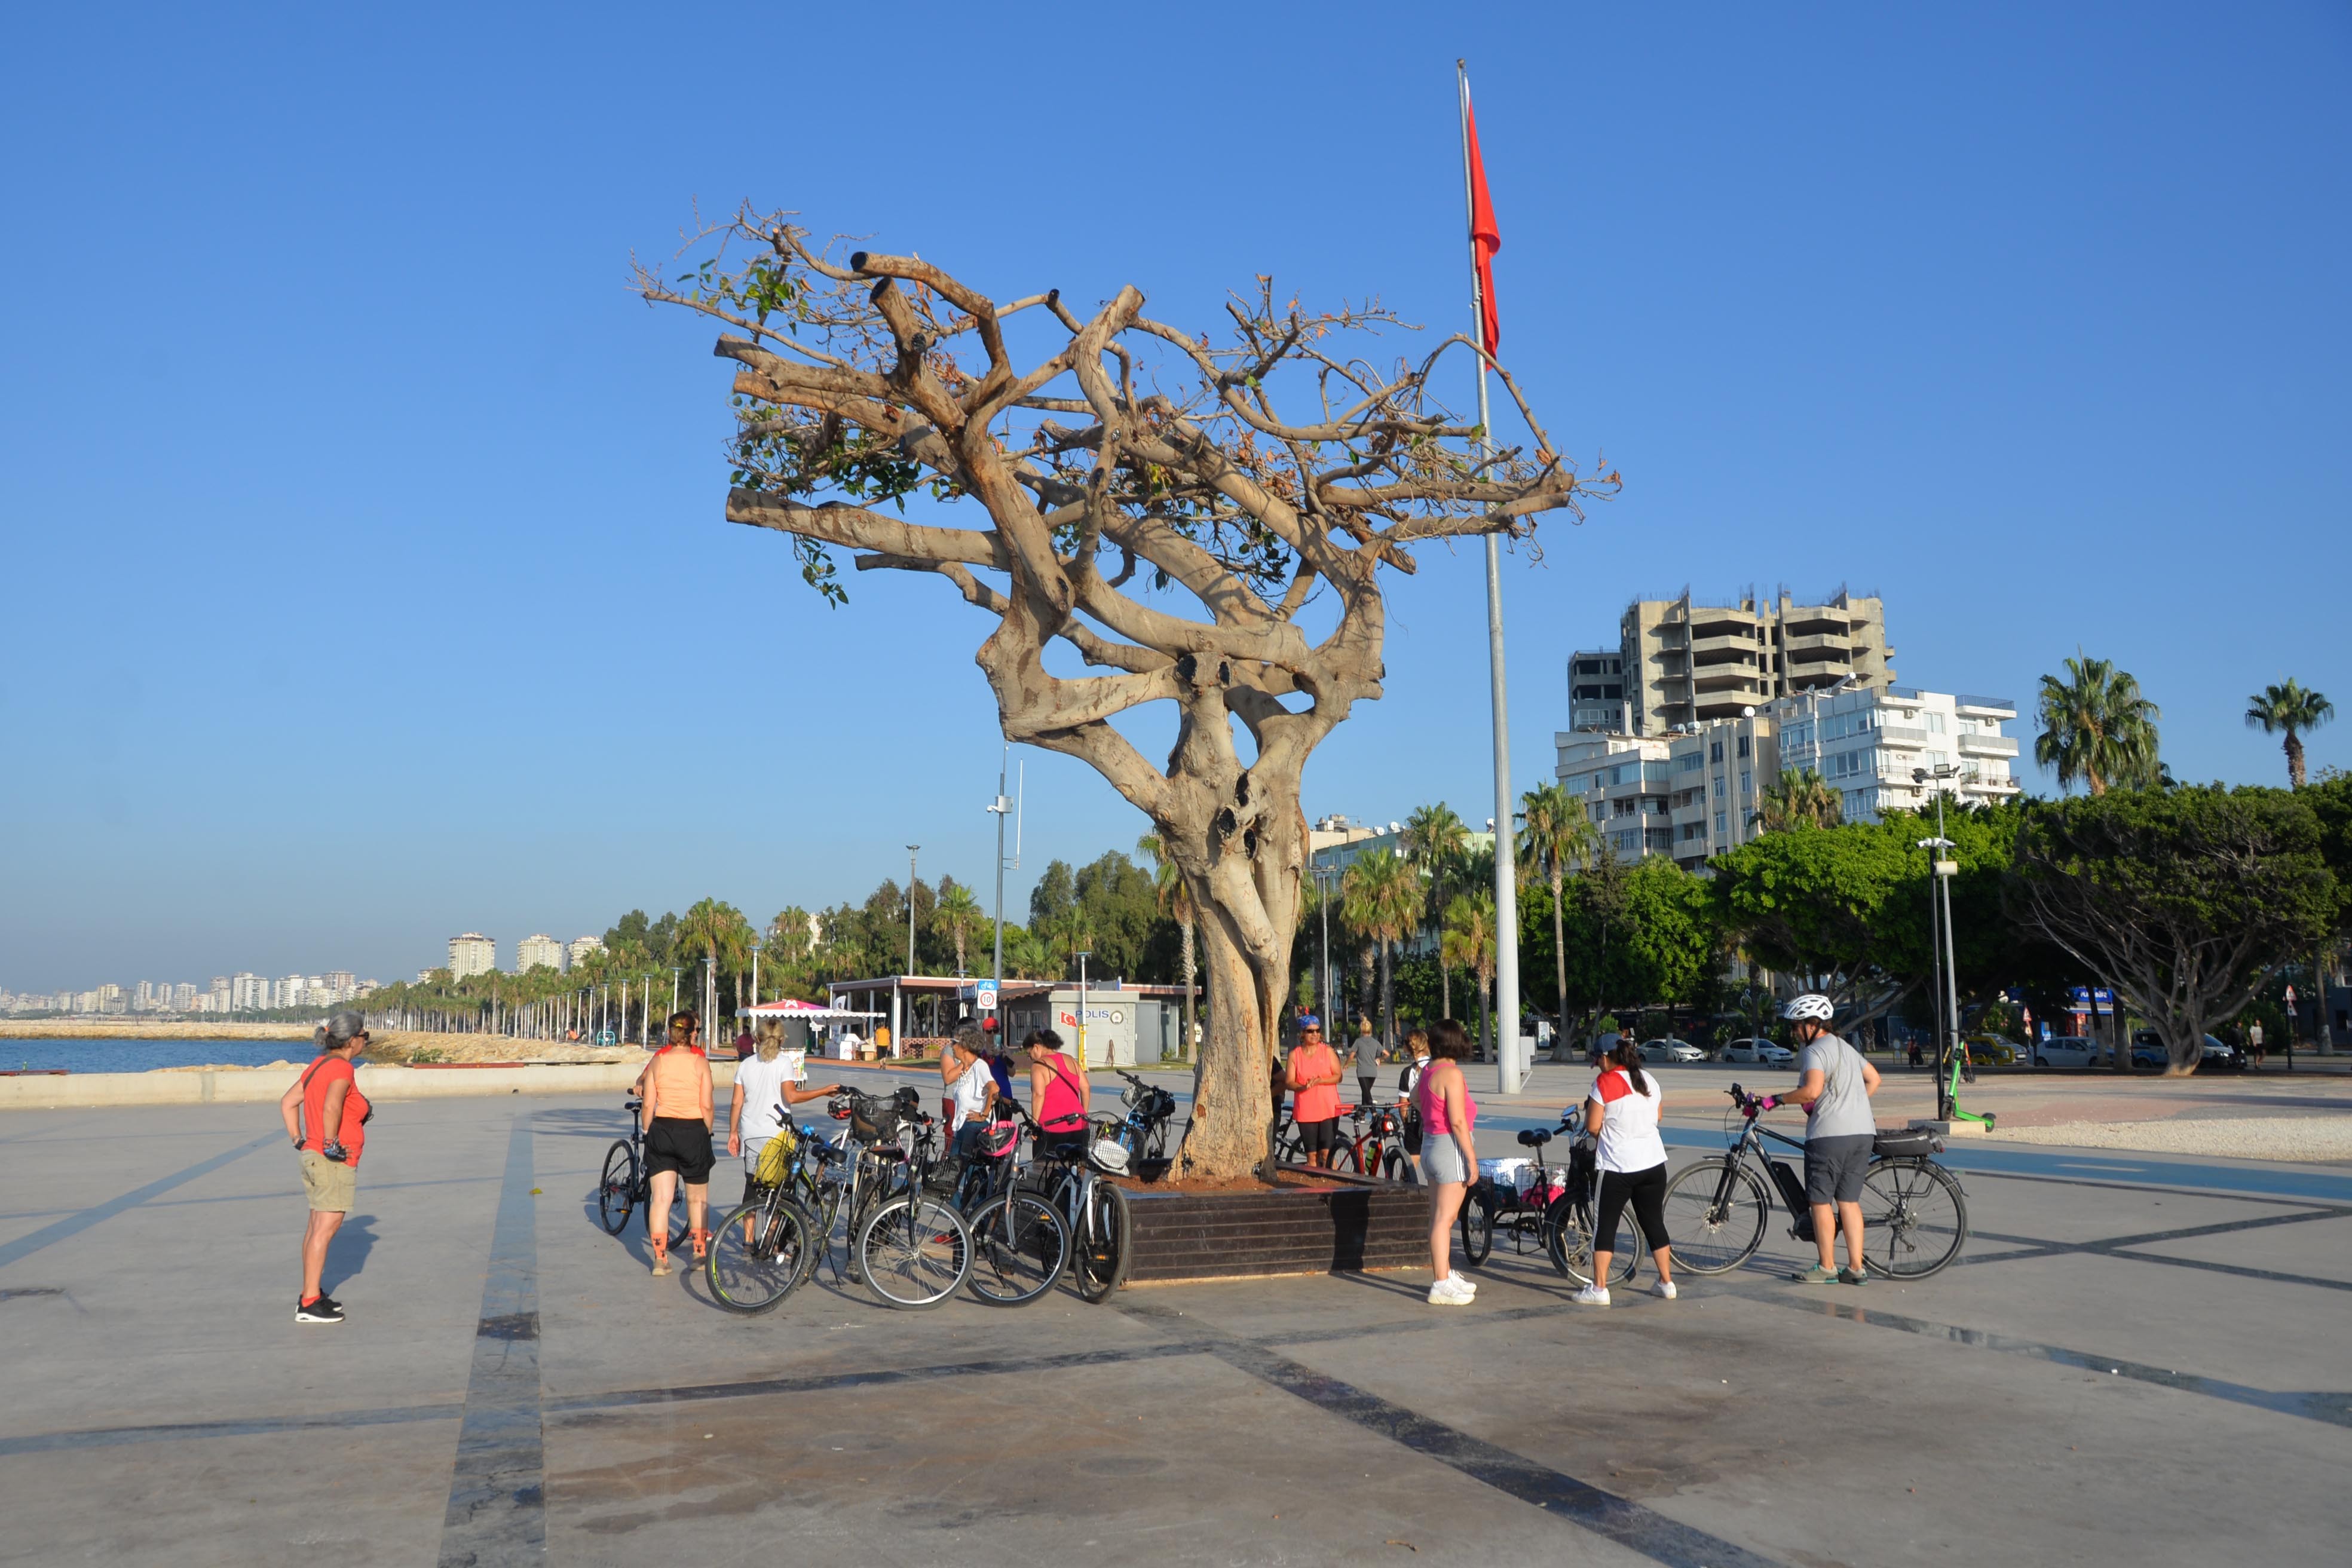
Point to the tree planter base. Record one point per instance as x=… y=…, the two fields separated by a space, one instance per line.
x=1316 y=1222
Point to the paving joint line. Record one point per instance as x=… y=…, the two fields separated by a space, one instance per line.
x=497 y=1485
x=81 y=1220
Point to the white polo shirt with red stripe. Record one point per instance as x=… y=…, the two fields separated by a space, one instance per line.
x=1629 y=1122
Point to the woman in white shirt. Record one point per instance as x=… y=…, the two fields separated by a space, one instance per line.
x=972 y=1088
x=1621 y=1112
x=764 y=1085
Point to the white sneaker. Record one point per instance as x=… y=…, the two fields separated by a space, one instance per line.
x=1663 y=1287
x=1469 y=1285
x=1448 y=1293
x=1591 y=1296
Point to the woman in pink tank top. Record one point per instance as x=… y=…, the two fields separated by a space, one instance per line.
x=1449 y=1159
x=1057 y=1090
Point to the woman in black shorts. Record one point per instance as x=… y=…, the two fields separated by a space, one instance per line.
x=675 y=1087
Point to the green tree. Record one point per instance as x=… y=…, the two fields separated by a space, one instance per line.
x=2293 y=709
x=2186 y=898
x=1556 y=834
x=1798 y=798
x=717 y=933
x=1467 y=942
x=1433 y=840
x=1379 y=896
x=2097 y=728
x=958 y=914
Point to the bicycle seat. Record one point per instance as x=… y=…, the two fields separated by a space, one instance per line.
x=632 y=1105
x=1535 y=1138
x=886 y=1152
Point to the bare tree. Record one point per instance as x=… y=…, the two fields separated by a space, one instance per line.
x=1143 y=500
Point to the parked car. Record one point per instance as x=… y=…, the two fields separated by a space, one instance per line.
x=2219 y=1056
x=2071 y=1051
x=1991 y=1050
x=1761 y=1052
x=1671 y=1051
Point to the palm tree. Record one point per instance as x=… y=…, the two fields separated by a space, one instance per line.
x=1175 y=898
x=2097 y=727
x=956 y=913
x=1468 y=940
x=1380 y=897
x=1433 y=840
x=1798 y=798
x=2293 y=708
x=724 y=936
x=1556 y=833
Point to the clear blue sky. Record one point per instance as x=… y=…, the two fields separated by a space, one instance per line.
x=366 y=580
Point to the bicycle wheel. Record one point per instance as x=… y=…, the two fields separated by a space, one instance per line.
x=1344 y=1157
x=1568 y=1230
x=1478 y=1222
x=914 y=1251
x=1019 y=1246
x=752 y=1273
x=1714 y=1218
x=1397 y=1166
x=1914 y=1218
x=617 y=1194
x=1100 y=1253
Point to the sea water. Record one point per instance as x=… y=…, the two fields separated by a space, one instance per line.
x=143 y=1055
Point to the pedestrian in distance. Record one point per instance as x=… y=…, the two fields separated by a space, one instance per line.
x=1312 y=1076
x=1058 y=1096
x=2254 y=1042
x=745 y=1043
x=1000 y=1065
x=1366 y=1049
x=1621 y=1114
x=1449 y=1157
x=677 y=1115
x=766 y=1087
x=1834 y=1084
x=326 y=1116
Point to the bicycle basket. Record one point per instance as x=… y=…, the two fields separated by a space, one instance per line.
x=776 y=1158
x=1108 y=1157
x=873 y=1121
x=1906 y=1143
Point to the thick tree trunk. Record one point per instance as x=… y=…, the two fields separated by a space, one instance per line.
x=1184 y=1050
x=1388 y=998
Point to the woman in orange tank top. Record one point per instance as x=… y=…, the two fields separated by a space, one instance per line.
x=676 y=1115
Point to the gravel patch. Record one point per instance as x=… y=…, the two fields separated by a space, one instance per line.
x=2298 y=1138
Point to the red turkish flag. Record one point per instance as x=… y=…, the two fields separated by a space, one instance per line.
x=1485 y=237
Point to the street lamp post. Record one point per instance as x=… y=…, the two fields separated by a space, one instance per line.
x=911 y=906
x=1324 y=876
x=1939 y=898
x=1084 y=953
x=755 y=972
x=674 y=974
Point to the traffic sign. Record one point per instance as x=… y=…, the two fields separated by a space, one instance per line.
x=2290 y=995
x=987 y=998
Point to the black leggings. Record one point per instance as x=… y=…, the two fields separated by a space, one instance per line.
x=1646 y=1191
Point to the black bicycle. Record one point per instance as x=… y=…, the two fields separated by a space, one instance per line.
x=1142 y=1132
x=1555 y=1216
x=626 y=1183
x=1915 y=1217
x=1020 y=1243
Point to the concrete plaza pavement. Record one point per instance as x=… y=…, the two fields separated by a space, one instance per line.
x=2135 y=1360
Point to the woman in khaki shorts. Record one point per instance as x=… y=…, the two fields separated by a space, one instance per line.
x=331 y=1133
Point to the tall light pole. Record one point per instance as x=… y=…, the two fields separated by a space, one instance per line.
x=1000 y=807
x=1325 y=873
x=674 y=974
x=1939 y=891
x=755 y=972
x=1084 y=953
x=911 y=906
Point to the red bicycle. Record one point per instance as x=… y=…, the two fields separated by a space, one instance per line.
x=1377 y=1148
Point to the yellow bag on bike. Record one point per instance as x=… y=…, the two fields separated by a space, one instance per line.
x=776 y=1157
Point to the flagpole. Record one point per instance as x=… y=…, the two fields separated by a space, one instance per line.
x=1507 y=894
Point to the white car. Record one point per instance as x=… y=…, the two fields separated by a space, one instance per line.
x=1671 y=1051
x=2072 y=1051
x=1763 y=1053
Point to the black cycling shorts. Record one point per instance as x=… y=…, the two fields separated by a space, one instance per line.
x=1319 y=1137
x=680 y=1144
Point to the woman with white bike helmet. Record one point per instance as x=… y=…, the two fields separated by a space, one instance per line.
x=1834 y=1085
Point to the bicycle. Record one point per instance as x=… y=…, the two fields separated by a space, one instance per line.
x=766 y=1246
x=626 y=1183
x=1561 y=1225
x=1020 y=1243
x=1143 y=1130
x=1378 y=1147
x=1094 y=1210
x=912 y=1249
x=1915 y=1217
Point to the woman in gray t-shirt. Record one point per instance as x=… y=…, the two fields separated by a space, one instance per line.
x=1834 y=1084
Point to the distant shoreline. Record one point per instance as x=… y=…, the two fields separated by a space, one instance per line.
x=144 y=1030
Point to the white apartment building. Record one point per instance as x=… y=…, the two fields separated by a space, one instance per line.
x=537 y=949
x=247 y=992
x=1867 y=743
x=1687 y=795
x=576 y=951
x=472 y=953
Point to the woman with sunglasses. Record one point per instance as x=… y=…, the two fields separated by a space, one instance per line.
x=326 y=1116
